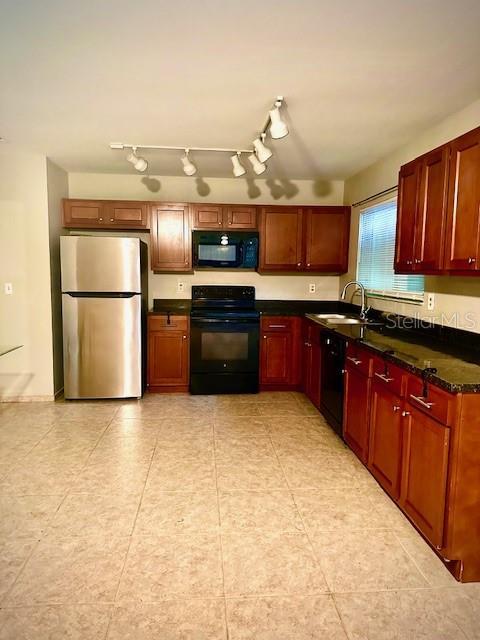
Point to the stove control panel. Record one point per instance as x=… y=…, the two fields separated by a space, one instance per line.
x=217 y=292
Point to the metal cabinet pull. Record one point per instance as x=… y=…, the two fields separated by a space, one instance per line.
x=471 y=260
x=277 y=326
x=184 y=337
x=396 y=407
x=421 y=401
x=405 y=413
x=111 y=220
x=101 y=219
x=384 y=378
x=264 y=337
x=299 y=264
x=354 y=360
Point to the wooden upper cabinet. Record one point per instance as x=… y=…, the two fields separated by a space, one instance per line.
x=281 y=239
x=127 y=214
x=83 y=213
x=239 y=217
x=105 y=214
x=463 y=209
x=217 y=216
x=327 y=232
x=207 y=216
x=431 y=210
x=408 y=183
x=170 y=238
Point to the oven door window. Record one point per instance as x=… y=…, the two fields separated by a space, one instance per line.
x=219 y=346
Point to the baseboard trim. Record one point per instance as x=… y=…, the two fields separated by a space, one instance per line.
x=168 y=389
x=27 y=399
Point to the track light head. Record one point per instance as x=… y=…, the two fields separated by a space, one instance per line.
x=189 y=168
x=278 y=128
x=263 y=153
x=258 y=166
x=139 y=163
x=238 y=168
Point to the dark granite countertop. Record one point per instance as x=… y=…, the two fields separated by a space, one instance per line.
x=174 y=306
x=449 y=366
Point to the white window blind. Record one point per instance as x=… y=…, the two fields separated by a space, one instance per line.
x=376 y=251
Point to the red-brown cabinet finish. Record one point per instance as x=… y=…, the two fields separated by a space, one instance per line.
x=127 y=215
x=280 y=352
x=105 y=214
x=170 y=238
x=281 y=239
x=168 y=353
x=431 y=211
x=83 y=213
x=386 y=438
x=311 y=362
x=217 y=216
x=327 y=232
x=463 y=210
x=425 y=465
x=408 y=183
x=240 y=217
x=356 y=410
x=207 y=216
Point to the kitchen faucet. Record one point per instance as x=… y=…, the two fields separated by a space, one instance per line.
x=359 y=286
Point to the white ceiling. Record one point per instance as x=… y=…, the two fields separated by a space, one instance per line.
x=361 y=77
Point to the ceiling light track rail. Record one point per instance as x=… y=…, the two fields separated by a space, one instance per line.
x=258 y=155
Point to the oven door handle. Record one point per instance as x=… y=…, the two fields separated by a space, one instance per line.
x=224 y=321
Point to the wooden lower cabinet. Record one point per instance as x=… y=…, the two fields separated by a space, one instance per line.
x=311 y=362
x=356 y=411
x=386 y=438
x=168 y=353
x=280 y=352
x=424 y=477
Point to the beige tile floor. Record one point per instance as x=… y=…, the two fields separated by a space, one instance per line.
x=221 y=517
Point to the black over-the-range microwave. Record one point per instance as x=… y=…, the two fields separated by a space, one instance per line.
x=227 y=250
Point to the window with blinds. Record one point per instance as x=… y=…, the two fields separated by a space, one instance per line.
x=376 y=251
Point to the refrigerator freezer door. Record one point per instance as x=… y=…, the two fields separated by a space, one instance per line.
x=102 y=347
x=99 y=264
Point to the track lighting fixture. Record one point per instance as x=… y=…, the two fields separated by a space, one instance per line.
x=189 y=168
x=238 y=168
x=139 y=163
x=258 y=166
x=257 y=156
x=278 y=128
x=262 y=152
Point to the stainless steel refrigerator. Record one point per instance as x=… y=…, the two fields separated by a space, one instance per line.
x=104 y=302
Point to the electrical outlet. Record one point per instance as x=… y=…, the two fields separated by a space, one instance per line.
x=311 y=287
x=180 y=287
x=430 y=301
x=8 y=288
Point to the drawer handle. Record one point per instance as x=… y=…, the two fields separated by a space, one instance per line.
x=277 y=326
x=354 y=360
x=384 y=377
x=405 y=414
x=422 y=402
x=396 y=408
x=471 y=260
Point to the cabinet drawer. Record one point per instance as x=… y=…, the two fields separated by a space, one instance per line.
x=358 y=359
x=276 y=323
x=160 y=323
x=390 y=375
x=430 y=399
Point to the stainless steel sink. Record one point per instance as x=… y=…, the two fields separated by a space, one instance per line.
x=342 y=318
x=330 y=316
x=345 y=320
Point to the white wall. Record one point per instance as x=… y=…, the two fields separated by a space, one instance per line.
x=221 y=190
x=57 y=188
x=25 y=316
x=457 y=299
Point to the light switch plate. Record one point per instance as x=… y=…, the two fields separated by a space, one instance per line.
x=430 y=301
x=8 y=288
x=311 y=287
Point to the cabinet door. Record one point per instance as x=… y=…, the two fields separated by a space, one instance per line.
x=463 y=207
x=326 y=239
x=431 y=211
x=408 y=184
x=281 y=239
x=275 y=357
x=207 y=216
x=237 y=217
x=170 y=238
x=356 y=412
x=83 y=213
x=126 y=215
x=424 y=482
x=168 y=358
x=385 y=442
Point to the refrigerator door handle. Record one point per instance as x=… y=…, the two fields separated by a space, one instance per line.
x=103 y=294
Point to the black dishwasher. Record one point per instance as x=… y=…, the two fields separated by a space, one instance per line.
x=333 y=366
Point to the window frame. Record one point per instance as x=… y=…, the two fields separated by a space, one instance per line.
x=415 y=298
